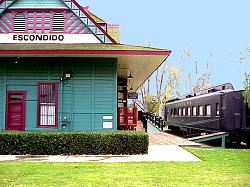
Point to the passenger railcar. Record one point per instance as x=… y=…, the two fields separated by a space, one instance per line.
x=215 y=109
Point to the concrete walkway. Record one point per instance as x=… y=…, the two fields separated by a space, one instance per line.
x=156 y=153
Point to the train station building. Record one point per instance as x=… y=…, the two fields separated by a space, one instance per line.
x=62 y=68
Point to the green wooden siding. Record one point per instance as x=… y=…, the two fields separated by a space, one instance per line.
x=83 y=99
x=2 y=99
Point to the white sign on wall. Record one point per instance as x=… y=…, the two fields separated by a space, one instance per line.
x=107 y=117
x=47 y=38
x=107 y=125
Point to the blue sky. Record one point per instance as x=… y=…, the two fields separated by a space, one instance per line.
x=214 y=31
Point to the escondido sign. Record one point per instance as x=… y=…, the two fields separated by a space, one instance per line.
x=38 y=37
x=47 y=38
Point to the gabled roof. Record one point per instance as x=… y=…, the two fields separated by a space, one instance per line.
x=95 y=17
x=89 y=21
x=87 y=18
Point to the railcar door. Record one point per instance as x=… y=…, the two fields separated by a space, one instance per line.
x=237 y=120
x=15 y=110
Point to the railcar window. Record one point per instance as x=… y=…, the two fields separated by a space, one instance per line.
x=217 y=109
x=189 y=111
x=200 y=111
x=180 y=114
x=194 y=110
x=184 y=111
x=172 y=113
x=175 y=112
x=208 y=110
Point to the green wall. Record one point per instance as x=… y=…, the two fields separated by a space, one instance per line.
x=83 y=99
x=2 y=99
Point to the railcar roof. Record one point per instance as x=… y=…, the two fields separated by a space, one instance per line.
x=202 y=96
x=207 y=90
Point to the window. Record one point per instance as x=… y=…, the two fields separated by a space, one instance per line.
x=175 y=112
x=208 y=110
x=58 y=22
x=200 y=112
x=189 y=111
x=19 y=23
x=172 y=112
x=184 y=111
x=194 y=110
x=180 y=112
x=217 y=109
x=47 y=104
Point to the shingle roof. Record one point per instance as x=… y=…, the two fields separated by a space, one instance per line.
x=111 y=47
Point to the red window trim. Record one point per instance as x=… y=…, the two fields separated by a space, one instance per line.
x=39 y=108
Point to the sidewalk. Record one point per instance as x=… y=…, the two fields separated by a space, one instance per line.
x=156 y=153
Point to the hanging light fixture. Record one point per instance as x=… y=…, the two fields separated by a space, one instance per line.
x=130 y=76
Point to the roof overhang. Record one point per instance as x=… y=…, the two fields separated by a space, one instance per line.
x=140 y=61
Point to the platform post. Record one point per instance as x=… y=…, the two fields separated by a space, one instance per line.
x=223 y=140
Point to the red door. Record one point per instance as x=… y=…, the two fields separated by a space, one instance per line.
x=15 y=110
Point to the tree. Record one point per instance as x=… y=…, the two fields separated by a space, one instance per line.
x=246 y=92
x=202 y=82
x=167 y=85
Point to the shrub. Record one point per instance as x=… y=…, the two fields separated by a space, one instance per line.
x=73 y=143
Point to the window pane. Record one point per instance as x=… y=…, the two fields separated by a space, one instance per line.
x=200 y=110
x=179 y=111
x=194 y=110
x=189 y=111
x=208 y=110
x=175 y=112
x=184 y=111
x=47 y=103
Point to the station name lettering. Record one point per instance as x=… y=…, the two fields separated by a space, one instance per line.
x=39 y=37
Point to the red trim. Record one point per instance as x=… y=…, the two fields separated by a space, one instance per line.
x=23 y=111
x=38 y=105
x=84 y=52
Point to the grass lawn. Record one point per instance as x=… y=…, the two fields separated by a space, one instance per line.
x=219 y=168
